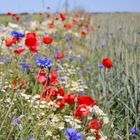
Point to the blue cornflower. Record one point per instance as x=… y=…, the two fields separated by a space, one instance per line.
x=31 y=138
x=88 y=69
x=71 y=47
x=17 y=35
x=5 y=60
x=56 y=49
x=46 y=33
x=57 y=69
x=96 y=78
x=37 y=55
x=71 y=59
x=72 y=134
x=44 y=62
x=90 y=83
x=134 y=131
x=100 y=66
x=111 y=34
x=138 y=33
x=62 y=79
x=103 y=45
x=81 y=91
x=81 y=59
x=69 y=38
x=24 y=65
x=55 y=36
x=17 y=121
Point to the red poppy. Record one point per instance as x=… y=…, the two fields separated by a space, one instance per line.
x=19 y=51
x=47 y=40
x=14 y=15
x=53 y=79
x=17 y=18
x=74 y=21
x=51 y=93
x=60 y=56
x=82 y=110
x=68 y=27
x=107 y=62
x=16 y=40
x=70 y=98
x=31 y=42
x=56 y=18
x=81 y=25
x=98 y=136
x=83 y=34
x=62 y=17
x=48 y=15
x=95 y=124
x=43 y=96
x=42 y=77
x=9 y=14
x=54 y=73
x=23 y=84
x=60 y=103
x=86 y=100
x=8 y=42
x=61 y=92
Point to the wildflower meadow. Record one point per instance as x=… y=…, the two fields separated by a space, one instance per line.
x=70 y=76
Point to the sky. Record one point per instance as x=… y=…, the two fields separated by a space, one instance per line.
x=19 y=6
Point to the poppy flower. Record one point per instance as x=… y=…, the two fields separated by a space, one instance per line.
x=53 y=79
x=48 y=15
x=56 y=18
x=54 y=73
x=95 y=124
x=51 y=93
x=82 y=110
x=8 y=42
x=14 y=15
x=61 y=92
x=14 y=40
x=23 y=84
x=43 y=96
x=17 y=18
x=74 y=21
x=51 y=25
x=68 y=27
x=107 y=63
x=19 y=51
x=83 y=34
x=62 y=17
x=42 y=77
x=70 y=98
x=86 y=100
x=9 y=14
x=97 y=136
x=60 y=103
x=47 y=40
x=60 y=56
x=31 y=42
